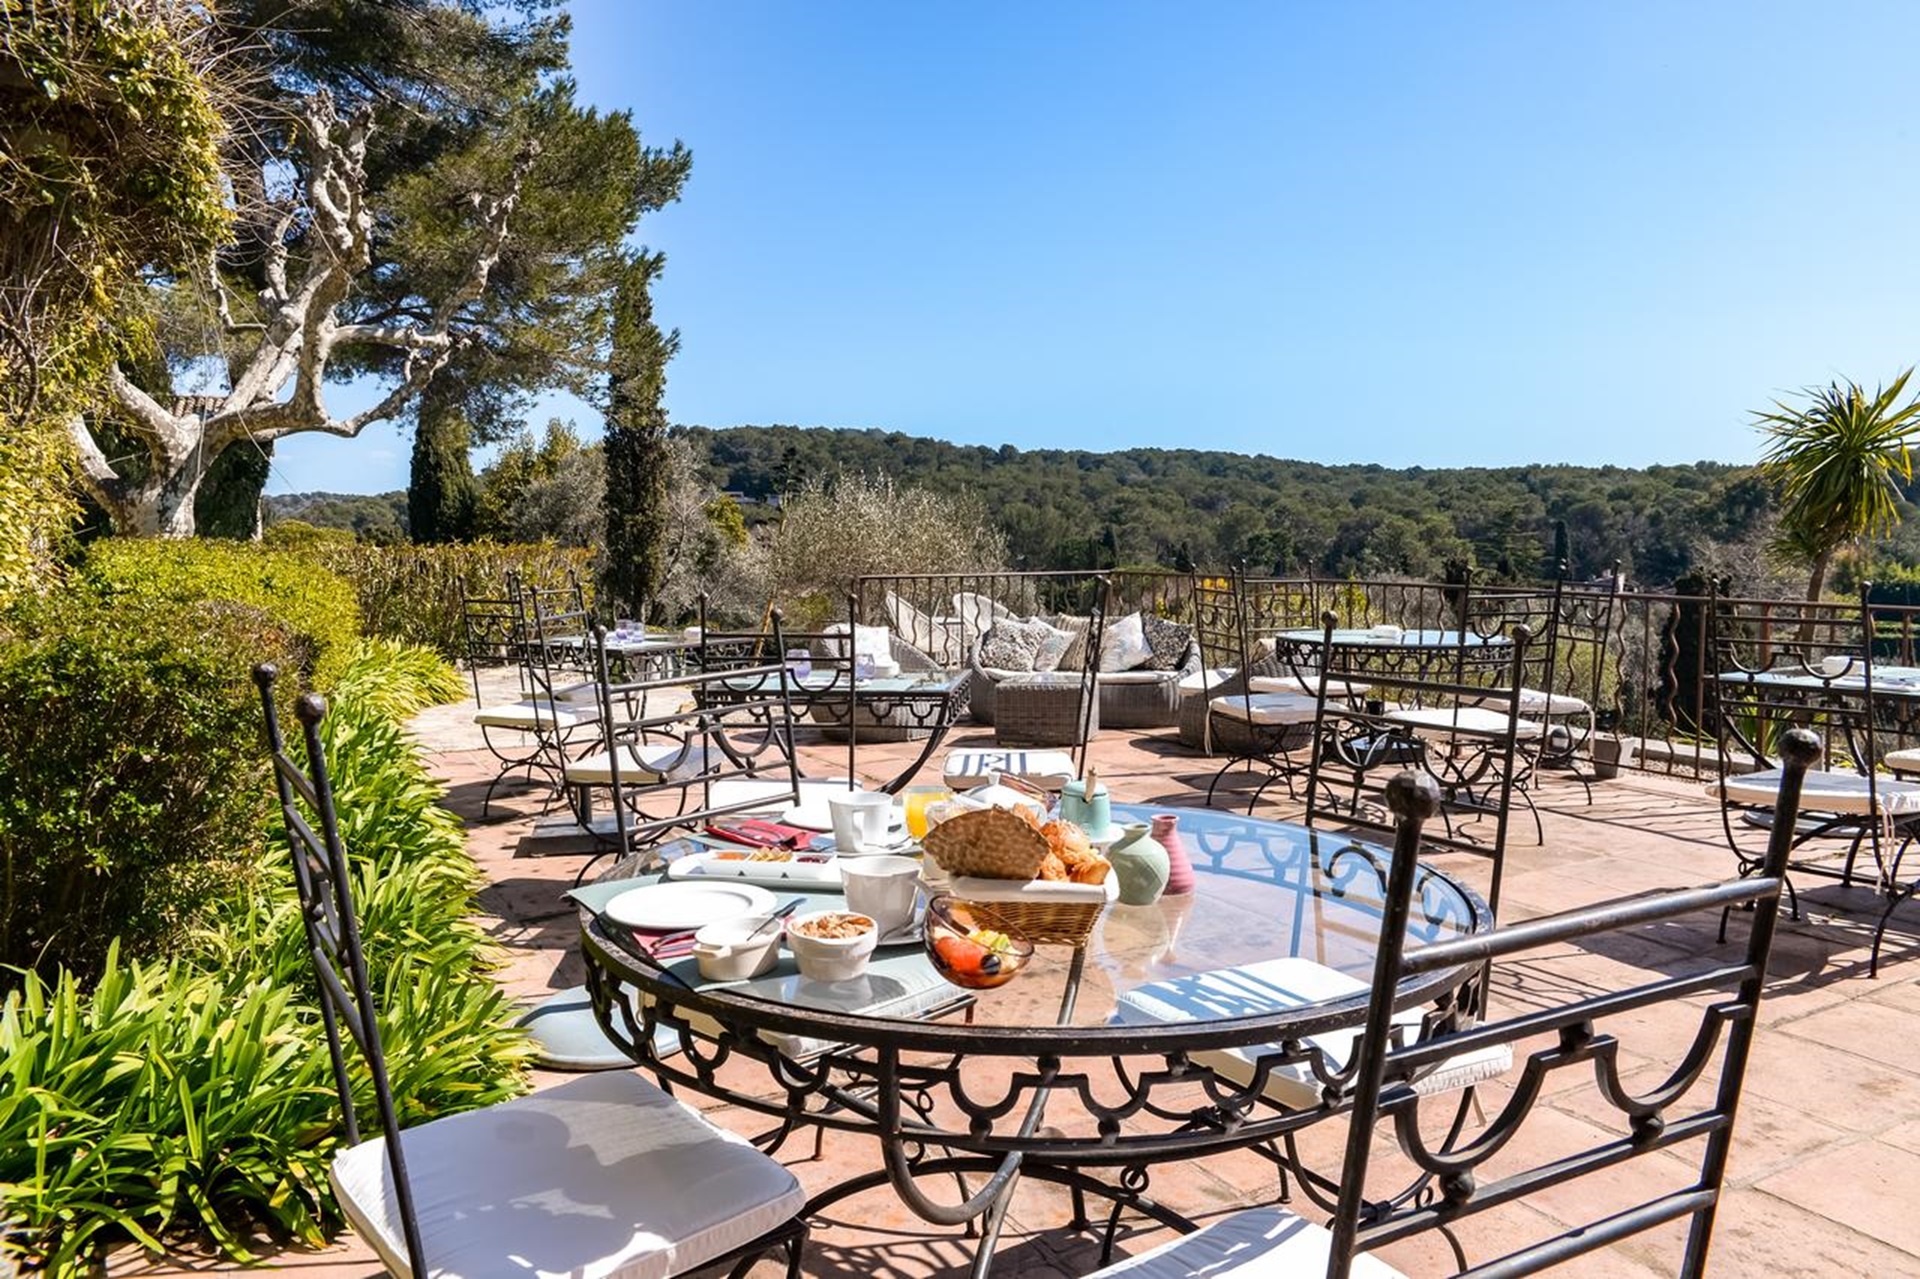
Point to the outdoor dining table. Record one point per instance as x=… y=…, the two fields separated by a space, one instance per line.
x=927 y=702
x=1149 y=1044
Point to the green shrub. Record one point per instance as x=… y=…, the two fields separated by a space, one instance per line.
x=132 y=789
x=193 y=1097
x=282 y=535
x=318 y=605
x=413 y=593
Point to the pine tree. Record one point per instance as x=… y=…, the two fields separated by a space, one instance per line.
x=636 y=441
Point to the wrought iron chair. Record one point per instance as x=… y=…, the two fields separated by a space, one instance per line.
x=1451 y=711
x=549 y=712
x=1253 y=714
x=603 y=1174
x=667 y=744
x=1778 y=665
x=1379 y=1087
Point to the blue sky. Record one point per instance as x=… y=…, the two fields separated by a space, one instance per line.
x=1399 y=233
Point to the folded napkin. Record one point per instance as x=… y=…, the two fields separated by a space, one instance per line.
x=757 y=833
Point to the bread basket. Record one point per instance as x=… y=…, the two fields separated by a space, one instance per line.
x=994 y=856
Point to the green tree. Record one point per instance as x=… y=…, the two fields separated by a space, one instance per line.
x=636 y=441
x=443 y=497
x=1839 y=461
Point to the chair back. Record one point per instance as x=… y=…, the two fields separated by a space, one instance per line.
x=727 y=721
x=322 y=877
x=1777 y=664
x=1659 y=1119
x=558 y=649
x=493 y=630
x=1469 y=682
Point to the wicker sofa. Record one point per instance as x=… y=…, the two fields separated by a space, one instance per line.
x=1128 y=699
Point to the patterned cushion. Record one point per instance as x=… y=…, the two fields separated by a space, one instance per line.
x=1123 y=644
x=1055 y=643
x=1168 y=642
x=1012 y=645
x=1075 y=658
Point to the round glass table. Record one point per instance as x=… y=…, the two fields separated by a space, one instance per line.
x=1160 y=1039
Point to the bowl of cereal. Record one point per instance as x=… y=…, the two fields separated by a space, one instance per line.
x=832 y=945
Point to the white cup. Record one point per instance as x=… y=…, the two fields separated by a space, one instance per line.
x=885 y=889
x=859 y=819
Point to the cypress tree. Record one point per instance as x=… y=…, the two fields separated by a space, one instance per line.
x=442 y=496
x=636 y=442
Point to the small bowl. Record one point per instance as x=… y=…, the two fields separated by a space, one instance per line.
x=831 y=958
x=725 y=952
x=959 y=953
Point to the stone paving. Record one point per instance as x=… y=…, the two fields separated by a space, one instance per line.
x=1826 y=1157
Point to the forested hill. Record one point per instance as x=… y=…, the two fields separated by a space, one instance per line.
x=1070 y=508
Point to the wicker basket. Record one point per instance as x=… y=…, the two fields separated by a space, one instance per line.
x=1045 y=912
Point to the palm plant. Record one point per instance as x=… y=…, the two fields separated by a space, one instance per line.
x=1838 y=461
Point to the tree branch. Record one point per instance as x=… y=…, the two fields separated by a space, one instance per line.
x=168 y=439
x=97 y=475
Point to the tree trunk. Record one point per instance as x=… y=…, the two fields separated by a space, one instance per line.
x=1817 y=581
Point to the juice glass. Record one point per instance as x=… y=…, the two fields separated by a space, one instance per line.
x=917 y=800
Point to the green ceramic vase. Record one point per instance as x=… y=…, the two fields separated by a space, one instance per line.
x=1139 y=866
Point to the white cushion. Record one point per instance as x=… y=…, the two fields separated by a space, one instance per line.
x=978 y=612
x=968 y=768
x=1906 y=761
x=1123 y=644
x=1277 y=984
x=1336 y=688
x=1259 y=1243
x=1476 y=721
x=1824 y=792
x=937 y=637
x=1054 y=643
x=529 y=715
x=1534 y=701
x=1136 y=677
x=875 y=642
x=1265 y=708
x=598 y=1177
x=588 y=692
x=1201 y=681
x=646 y=762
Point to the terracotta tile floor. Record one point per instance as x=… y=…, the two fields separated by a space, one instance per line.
x=1827 y=1155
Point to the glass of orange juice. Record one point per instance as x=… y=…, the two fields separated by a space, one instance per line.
x=918 y=800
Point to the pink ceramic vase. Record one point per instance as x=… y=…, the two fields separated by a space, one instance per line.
x=1166 y=833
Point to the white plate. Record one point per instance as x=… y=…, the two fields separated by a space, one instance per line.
x=686 y=904
x=816 y=817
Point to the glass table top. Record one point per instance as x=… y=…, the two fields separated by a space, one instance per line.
x=1264 y=891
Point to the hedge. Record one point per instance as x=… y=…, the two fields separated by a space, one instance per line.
x=189 y=1099
x=413 y=593
x=317 y=605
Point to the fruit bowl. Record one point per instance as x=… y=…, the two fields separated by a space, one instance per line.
x=971 y=946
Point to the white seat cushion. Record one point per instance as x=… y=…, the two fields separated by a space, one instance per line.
x=1824 y=792
x=530 y=715
x=969 y=767
x=1137 y=677
x=1276 y=984
x=1265 y=708
x=1476 y=721
x=1201 y=681
x=1534 y=701
x=647 y=762
x=1906 y=761
x=1294 y=684
x=588 y=692
x=1259 y=1243
x=601 y=1176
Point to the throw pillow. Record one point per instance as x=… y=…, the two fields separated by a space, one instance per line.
x=1074 y=658
x=1054 y=643
x=1123 y=645
x=1010 y=645
x=1168 y=642
x=978 y=613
